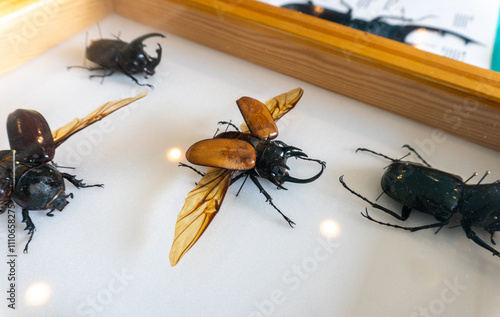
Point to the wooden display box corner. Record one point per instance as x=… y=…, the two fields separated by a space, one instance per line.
x=448 y=95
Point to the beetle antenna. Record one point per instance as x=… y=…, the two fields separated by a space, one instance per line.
x=472 y=176
x=415 y=151
x=376 y=153
x=485 y=174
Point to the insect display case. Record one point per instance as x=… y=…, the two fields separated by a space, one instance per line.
x=107 y=252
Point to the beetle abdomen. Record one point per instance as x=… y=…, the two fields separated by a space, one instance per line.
x=105 y=52
x=422 y=188
x=40 y=188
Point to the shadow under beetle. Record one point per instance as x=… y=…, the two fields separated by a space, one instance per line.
x=440 y=194
x=232 y=155
x=376 y=26
x=127 y=58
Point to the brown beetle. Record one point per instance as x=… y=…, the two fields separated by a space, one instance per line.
x=252 y=153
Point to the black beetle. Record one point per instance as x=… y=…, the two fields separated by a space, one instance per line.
x=127 y=58
x=34 y=183
x=27 y=175
x=440 y=194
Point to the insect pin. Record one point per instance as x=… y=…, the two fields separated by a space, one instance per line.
x=252 y=152
x=28 y=177
x=118 y=56
x=440 y=194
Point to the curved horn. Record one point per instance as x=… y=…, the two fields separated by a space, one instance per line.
x=140 y=39
x=288 y=178
x=156 y=61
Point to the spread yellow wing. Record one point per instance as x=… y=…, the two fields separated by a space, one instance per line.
x=203 y=202
x=201 y=206
x=280 y=105
x=62 y=134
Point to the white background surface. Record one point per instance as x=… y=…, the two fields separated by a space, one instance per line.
x=106 y=253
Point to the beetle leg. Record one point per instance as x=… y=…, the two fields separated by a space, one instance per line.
x=238 y=177
x=78 y=182
x=229 y=123
x=194 y=169
x=491 y=238
x=472 y=235
x=133 y=78
x=411 y=229
x=5 y=204
x=376 y=153
x=405 y=212
x=29 y=226
x=88 y=68
x=269 y=198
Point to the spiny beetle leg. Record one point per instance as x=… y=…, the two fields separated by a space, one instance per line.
x=472 y=235
x=403 y=217
x=30 y=226
x=78 y=182
x=411 y=229
x=192 y=168
x=269 y=198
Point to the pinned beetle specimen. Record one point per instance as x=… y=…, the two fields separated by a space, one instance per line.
x=378 y=26
x=251 y=152
x=440 y=194
x=28 y=177
x=127 y=58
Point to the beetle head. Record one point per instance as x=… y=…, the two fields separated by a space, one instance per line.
x=272 y=163
x=136 y=60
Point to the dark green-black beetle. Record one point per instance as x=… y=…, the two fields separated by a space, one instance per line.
x=440 y=194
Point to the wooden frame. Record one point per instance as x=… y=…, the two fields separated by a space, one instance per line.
x=449 y=95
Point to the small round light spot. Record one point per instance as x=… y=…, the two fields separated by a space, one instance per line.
x=174 y=154
x=37 y=294
x=329 y=228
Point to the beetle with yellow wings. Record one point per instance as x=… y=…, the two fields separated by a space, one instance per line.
x=251 y=152
x=28 y=177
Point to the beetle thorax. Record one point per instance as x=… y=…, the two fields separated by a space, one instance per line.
x=271 y=161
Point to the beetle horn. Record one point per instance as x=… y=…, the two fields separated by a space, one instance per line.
x=137 y=45
x=138 y=41
x=288 y=178
x=156 y=61
x=296 y=154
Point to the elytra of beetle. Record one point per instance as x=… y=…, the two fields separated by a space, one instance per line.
x=232 y=155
